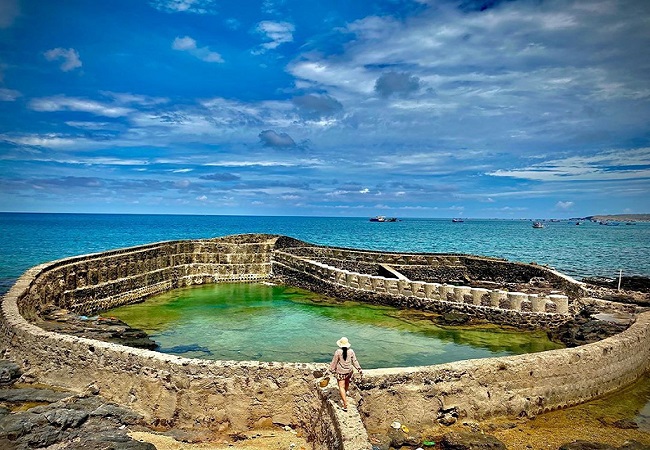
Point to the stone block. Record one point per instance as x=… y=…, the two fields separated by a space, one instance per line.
x=496 y=297
x=478 y=294
x=515 y=299
x=461 y=292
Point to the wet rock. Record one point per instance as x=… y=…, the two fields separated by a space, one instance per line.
x=108 y=329
x=470 y=441
x=584 y=329
x=9 y=372
x=585 y=445
x=454 y=318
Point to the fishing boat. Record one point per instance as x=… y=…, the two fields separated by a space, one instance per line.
x=457 y=220
x=538 y=225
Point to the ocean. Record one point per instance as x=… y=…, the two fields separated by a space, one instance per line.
x=590 y=249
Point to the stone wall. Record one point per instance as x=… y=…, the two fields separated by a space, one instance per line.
x=234 y=396
x=436 y=267
x=496 y=306
x=97 y=282
x=517 y=385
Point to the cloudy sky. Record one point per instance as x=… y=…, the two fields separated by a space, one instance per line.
x=409 y=108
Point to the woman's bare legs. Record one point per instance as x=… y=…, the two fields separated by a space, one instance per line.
x=343 y=386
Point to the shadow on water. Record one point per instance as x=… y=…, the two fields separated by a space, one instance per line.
x=241 y=321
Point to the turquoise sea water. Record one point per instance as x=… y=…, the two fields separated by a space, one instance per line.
x=237 y=321
x=586 y=250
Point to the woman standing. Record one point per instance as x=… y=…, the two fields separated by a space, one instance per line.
x=342 y=365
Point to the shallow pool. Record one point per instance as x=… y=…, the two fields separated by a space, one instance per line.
x=239 y=321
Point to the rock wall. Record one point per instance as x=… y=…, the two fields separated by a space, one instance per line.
x=234 y=396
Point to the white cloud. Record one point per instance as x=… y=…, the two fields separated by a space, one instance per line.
x=186 y=6
x=277 y=32
x=564 y=205
x=69 y=56
x=63 y=103
x=609 y=165
x=364 y=191
x=9 y=11
x=8 y=95
x=187 y=44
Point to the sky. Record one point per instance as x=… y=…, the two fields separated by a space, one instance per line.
x=406 y=108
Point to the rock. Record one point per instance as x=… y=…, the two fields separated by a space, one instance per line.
x=585 y=445
x=111 y=440
x=626 y=424
x=455 y=318
x=123 y=415
x=32 y=395
x=9 y=372
x=66 y=418
x=470 y=441
x=634 y=445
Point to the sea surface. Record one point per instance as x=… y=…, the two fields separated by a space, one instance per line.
x=590 y=249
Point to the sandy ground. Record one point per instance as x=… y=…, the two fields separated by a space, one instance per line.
x=267 y=439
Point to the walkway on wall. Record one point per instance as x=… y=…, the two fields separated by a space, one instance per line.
x=348 y=426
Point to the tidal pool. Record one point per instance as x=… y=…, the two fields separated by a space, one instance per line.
x=241 y=321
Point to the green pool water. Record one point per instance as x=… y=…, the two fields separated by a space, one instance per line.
x=240 y=321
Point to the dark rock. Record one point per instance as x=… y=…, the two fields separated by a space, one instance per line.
x=584 y=329
x=123 y=415
x=634 y=445
x=111 y=440
x=470 y=441
x=32 y=395
x=109 y=329
x=626 y=424
x=585 y=445
x=44 y=436
x=454 y=318
x=66 y=418
x=9 y=372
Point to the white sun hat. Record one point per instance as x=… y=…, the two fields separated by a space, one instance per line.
x=343 y=342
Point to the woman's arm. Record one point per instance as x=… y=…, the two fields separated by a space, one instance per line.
x=334 y=361
x=355 y=362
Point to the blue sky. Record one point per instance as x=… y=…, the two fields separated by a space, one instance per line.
x=414 y=108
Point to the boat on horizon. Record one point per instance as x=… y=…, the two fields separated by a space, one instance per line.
x=457 y=220
x=538 y=225
x=383 y=219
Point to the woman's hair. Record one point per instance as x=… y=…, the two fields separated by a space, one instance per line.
x=345 y=353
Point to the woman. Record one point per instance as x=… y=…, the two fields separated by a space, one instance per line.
x=342 y=363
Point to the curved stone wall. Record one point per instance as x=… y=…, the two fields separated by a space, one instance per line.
x=234 y=396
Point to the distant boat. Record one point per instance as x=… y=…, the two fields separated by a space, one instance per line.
x=538 y=225
x=578 y=223
x=383 y=219
x=457 y=220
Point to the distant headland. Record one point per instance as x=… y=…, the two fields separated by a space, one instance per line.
x=621 y=217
